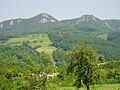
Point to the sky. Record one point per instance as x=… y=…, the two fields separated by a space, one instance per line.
x=60 y=9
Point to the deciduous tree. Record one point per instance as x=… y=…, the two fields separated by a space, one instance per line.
x=83 y=63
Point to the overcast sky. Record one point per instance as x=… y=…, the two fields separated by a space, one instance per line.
x=60 y=9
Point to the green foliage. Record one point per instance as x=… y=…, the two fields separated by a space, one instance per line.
x=113 y=72
x=18 y=64
x=13 y=74
x=66 y=37
x=114 y=24
x=59 y=58
x=114 y=37
x=83 y=63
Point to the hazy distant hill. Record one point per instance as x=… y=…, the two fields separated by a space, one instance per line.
x=92 y=23
x=46 y=21
x=115 y=24
x=17 y=26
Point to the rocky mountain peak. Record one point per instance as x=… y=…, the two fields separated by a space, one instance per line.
x=44 y=18
x=45 y=14
x=88 y=18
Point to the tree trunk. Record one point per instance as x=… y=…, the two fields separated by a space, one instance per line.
x=88 y=87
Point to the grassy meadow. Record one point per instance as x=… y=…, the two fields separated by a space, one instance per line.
x=98 y=87
x=40 y=42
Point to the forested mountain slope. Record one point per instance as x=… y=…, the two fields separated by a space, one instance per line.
x=102 y=35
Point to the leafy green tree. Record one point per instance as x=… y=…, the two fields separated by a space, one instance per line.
x=83 y=63
x=39 y=70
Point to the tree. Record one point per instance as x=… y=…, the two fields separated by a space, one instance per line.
x=83 y=63
x=47 y=67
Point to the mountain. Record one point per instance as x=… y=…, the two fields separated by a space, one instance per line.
x=90 y=23
x=88 y=18
x=84 y=18
x=10 y=23
x=113 y=24
x=102 y=35
x=45 y=21
x=33 y=24
x=95 y=23
x=43 y=18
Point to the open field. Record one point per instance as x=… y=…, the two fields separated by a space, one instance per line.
x=99 y=87
x=40 y=42
x=104 y=36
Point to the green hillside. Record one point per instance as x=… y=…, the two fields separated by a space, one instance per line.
x=40 y=42
x=66 y=37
